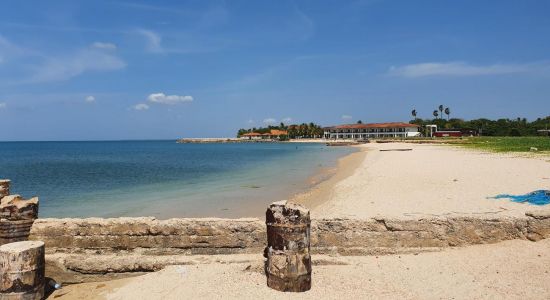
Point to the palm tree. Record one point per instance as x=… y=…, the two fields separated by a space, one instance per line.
x=413 y=113
x=359 y=122
x=441 y=111
x=436 y=114
x=447 y=112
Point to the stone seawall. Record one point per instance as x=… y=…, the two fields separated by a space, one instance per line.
x=81 y=249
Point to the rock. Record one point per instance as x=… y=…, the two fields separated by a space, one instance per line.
x=539 y=214
x=4 y=188
x=15 y=208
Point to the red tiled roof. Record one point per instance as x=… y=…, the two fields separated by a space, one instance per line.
x=252 y=134
x=278 y=132
x=374 y=125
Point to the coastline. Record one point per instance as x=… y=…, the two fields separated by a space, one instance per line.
x=358 y=222
x=321 y=191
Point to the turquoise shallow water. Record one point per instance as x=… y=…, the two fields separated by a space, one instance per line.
x=160 y=178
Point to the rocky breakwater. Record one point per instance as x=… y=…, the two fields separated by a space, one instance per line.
x=16 y=215
x=89 y=249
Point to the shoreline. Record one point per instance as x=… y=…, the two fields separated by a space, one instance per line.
x=432 y=181
x=321 y=191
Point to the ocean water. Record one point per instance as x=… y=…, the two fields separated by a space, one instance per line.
x=161 y=178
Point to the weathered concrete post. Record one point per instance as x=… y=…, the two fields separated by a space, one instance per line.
x=4 y=188
x=22 y=271
x=288 y=265
x=16 y=215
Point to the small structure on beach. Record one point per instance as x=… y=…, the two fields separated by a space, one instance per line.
x=273 y=134
x=544 y=132
x=433 y=131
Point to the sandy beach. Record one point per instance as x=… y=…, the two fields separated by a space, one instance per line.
x=427 y=181
x=508 y=270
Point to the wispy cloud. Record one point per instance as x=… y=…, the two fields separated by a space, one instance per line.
x=141 y=106
x=269 y=73
x=157 y=8
x=302 y=24
x=153 y=40
x=3 y=105
x=90 y=99
x=270 y=121
x=68 y=66
x=9 y=50
x=346 y=117
x=286 y=120
x=107 y=46
x=463 y=69
x=168 y=99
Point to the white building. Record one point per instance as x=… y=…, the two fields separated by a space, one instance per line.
x=373 y=130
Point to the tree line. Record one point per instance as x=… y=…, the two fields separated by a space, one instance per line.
x=487 y=127
x=303 y=130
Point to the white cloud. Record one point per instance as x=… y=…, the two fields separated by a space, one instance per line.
x=68 y=66
x=168 y=99
x=106 y=46
x=250 y=121
x=346 y=117
x=141 y=106
x=3 y=105
x=463 y=69
x=270 y=121
x=286 y=120
x=153 y=40
x=90 y=99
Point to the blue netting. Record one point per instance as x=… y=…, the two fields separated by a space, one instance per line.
x=540 y=197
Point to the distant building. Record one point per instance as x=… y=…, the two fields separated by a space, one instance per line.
x=372 y=130
x=272 y=135
x=432 y=131
x=544 y=132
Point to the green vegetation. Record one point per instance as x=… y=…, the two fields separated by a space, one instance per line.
x=303 y=130
x=507 y=144
x=486 y=127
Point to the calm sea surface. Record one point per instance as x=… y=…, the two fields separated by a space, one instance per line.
x=161 y=178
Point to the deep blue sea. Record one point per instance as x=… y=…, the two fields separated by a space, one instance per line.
x=161 y=178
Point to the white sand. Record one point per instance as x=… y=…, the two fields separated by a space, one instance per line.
x=508 y=270
x=434 y=180
x=428 y=181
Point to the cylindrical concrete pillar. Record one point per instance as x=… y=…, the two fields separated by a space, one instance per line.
x=288 y=265
x=22 y=266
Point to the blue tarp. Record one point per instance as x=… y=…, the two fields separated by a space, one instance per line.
x=540 y=197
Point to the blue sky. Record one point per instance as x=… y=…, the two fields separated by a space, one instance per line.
x=79 y=70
